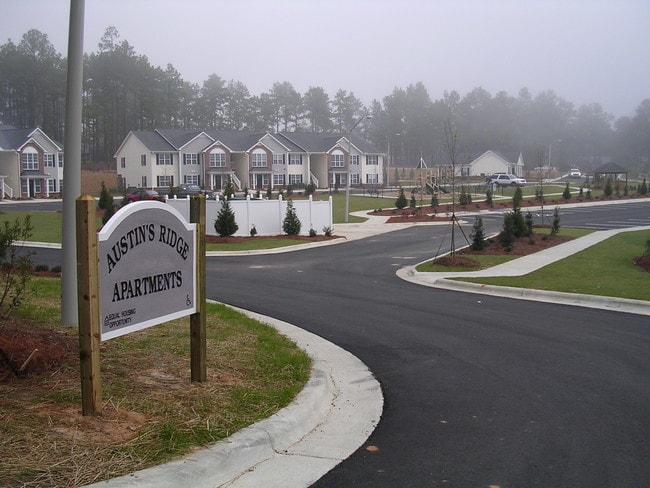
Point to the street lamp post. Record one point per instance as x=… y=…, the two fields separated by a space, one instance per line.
x=347 y=186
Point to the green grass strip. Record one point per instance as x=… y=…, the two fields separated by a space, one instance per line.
x=605 y=269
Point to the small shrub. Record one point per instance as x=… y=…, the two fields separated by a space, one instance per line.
x=412 y=203
x=401 y=202
x=609 y=189
x=566 y=194
x=530 y=224
x=56 y=269
x=41 y=268
x=327 y=231
x=488 y=198
x=312 y=233
x=253 y=231
x=15 y=263
x=643 y=189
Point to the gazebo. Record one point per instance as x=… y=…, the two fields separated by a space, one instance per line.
x=609 y=170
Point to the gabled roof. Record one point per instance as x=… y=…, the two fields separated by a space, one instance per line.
x=13 y=139
x=178 y=137
x=234 y=140
x=153 y=141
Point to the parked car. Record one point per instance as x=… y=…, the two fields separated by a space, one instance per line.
x=575 y=173
x=187 y=190
x=506 y=179
x=142 y=194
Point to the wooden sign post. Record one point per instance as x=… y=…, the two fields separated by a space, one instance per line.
x=145 y=267
x=88 y=306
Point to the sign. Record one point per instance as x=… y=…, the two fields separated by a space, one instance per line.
x=147 y=268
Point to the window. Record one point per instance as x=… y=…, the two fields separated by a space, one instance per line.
x=278 y=180
x=143 y=159
x=30 y=161
x=48 y=161
x=60 y=158
x=190 y=158
x=354 y=159
x=372 y=179
x=166 y=180
x=295 y=159
x=338 y=160
x=218 y=159
x=278 y=159
x=259 y=159
x=354 y=179
x=372 y=160
x=295 y=179
x=51 y=185
x=123 y=162
x=163 y=159
x=191 y=179
x=143 y=182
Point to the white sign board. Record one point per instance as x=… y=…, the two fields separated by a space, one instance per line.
x=147 y=268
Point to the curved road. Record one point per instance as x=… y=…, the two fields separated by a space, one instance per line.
x=479 y=391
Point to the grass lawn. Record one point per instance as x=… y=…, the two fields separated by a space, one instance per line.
x=151 y=411
x=606 y=269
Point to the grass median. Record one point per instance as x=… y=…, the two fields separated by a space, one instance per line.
x=605 y=269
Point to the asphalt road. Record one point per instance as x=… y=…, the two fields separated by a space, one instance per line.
x=479 y=391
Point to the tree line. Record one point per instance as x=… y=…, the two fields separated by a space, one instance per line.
x=122 y=91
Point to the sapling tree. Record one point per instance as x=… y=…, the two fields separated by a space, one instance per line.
x=507 y=236
x=566 y=194
x=291 y=224
x=401 y=202
x=225 y=224
x=105 y=198
x=555 y=226
x=478 y=235
x=517 y=198
x=530 y=224
x=643 y=189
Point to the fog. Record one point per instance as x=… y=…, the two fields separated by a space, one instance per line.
x=587 y=52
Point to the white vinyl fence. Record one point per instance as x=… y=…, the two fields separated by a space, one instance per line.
x=266 y=215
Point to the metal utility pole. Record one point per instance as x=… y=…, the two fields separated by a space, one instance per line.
x=72 y=164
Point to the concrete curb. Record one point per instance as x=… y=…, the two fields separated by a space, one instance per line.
x=330 y=418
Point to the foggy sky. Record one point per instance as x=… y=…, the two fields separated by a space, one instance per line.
x=586 y=51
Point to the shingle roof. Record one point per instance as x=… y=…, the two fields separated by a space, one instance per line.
x=237 y=141
x=153 y=141
x=12 y=139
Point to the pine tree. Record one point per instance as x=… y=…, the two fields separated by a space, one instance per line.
x=401 y=202
x=555 y=227
x=517 y=198
x=225 y=224
x=530 y=224
x=643 y=190
x=413 y=202
x=488 y=198
x=291 y=224
x=566 y=194
x=478 y=235
x=609 y=189
x=109 y=209
x=104 y=196
x=507 y=235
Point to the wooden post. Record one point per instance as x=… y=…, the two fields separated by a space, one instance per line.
x=88 y=305
x=197 y=320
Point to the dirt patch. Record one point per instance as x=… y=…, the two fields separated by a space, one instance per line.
x=91 y=181
x=643 y=262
